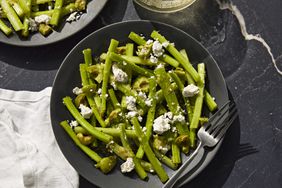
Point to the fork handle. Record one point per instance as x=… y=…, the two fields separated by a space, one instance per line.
x=170 y=183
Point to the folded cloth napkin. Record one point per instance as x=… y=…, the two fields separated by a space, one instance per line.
x=29 y=154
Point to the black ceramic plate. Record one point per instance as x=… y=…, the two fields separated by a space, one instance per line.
x=68 y=77
x=64 y=30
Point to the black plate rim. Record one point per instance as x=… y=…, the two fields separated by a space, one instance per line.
x=225 y=92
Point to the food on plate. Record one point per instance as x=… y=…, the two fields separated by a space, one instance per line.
x=141 y=102
x=43 y=16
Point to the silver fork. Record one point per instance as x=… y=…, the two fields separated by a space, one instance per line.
x=209 y=135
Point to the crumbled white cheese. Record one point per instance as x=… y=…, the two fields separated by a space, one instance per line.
x=168 y=115
x=143 y=51
x=165 y=44
x=148 y=102
x=144 y=129
x=153 y=59
x=73 y=17
x=85 y=111
x=190 y=90
x=124 y=63
x=73 y=123
x=127 y=166
x=142 y=95
x=150 y=41
x=140 y=118
x=32 y=26
x=161 y=124
x=42 y=19
x=163 y=150
x=50 y=7
x=179 y=118
x=130 y=103
x=157 y=49
x=131 y=114
x=77 y=91
x=99 y=92
x=173 y=129
x=159 y=66
x=119 y=75
x=114 y=85
x=110 y=145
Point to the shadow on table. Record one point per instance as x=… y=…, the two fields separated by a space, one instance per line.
x=50 y=57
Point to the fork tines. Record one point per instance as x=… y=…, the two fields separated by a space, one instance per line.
x=222 y=119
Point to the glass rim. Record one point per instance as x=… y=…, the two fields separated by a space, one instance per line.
x=164 y=10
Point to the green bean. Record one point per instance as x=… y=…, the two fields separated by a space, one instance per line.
x=65 y=11
x=132 y=66
x=11 y=15
x=169 y=95
x=25 y=5
x=25 y=30
x=37 y=2
x=18 y=9
x=129 y=52
x=173 y=105
x=90 y=99
x=138 y=60
x=207 y=97
x=181 y=87
x=138 y=168
x=120 y=151
x=129 y=49
x=113 y=98
x=199 y=99
x=209 y=101
x=87 y=54
x=79 y=129
x=83 y=74
x=198 y=106
x=160 y=94
x=107 y=164
x=166 y=160
x=192 y=138
x=97 y=115
x=92 y=154
x=149 y=152
x=176 y=157
x=150 y=115
x=57 y=12
x=84 y=123
x=5 y=28
x=136 y=38
x=177 y=55
x=170 y=60
x=106 y=73
x=39 y=13
x=116 y=132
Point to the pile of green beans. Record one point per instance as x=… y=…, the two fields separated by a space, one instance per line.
x=20 y=15
x=124 y=136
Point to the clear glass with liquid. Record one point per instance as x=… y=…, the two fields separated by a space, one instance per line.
x=165 y=6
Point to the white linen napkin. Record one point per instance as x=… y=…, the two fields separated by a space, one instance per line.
x=29 y=154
